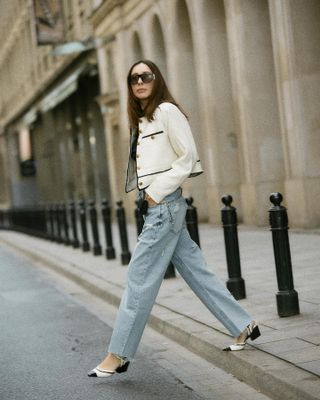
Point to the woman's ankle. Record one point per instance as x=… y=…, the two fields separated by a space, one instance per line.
x=111 y=361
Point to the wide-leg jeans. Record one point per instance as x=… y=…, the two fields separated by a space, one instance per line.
x=165 y=238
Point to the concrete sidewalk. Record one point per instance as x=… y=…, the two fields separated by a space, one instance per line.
x=284 y=363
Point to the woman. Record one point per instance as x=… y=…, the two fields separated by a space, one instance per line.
x=162 y=155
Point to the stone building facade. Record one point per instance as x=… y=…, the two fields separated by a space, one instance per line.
x=48 y=110
x=247 y=72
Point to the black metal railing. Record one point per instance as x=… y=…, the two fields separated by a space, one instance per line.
x=30 y=220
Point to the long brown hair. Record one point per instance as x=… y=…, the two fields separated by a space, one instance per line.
x=160 y=93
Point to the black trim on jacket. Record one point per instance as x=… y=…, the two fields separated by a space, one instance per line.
x=151 y=134
x=154 y=173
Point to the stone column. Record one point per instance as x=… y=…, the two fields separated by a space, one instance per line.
x=113 y=108
x=4 y=173
x=296 y=38
x=255 y=105
x=215 y=104
x=182 y=81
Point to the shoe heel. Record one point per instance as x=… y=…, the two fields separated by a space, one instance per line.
x=123 y=368
x=255 y=333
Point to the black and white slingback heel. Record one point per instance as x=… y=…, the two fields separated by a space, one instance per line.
x=101 y=373
x=252 y=332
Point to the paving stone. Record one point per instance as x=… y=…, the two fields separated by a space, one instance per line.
x=284 y=346
x=312 y=366
x=302 y=355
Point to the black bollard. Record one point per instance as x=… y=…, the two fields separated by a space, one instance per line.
x=58 y=223
x=121 y=217
x=235 y=283
x=192 y=221
x=170 y=272
x=97 y=250
x=83 y=222
x=65 y=224
x=106 y=216
x=51 y=222
x=48 y=224
x=55 y=223
x=139 y=219
x=287 y=297
x=72 y=210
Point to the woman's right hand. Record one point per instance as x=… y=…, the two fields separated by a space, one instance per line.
x=150 y=200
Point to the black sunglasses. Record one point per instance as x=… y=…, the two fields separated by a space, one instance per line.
x=146 y=77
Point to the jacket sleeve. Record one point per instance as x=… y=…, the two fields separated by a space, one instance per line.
x=182 y=142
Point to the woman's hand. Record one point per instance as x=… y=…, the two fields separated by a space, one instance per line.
x=150 y=200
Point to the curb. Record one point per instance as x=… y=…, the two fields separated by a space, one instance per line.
x=268 y=374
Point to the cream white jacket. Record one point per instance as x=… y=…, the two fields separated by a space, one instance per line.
x=166 y=154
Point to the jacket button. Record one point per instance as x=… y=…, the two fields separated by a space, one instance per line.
x=140 y=130
x=138 y=143
x=152 y=137
x=140 y=121
x=137 y=155
x=138 y=167
x=140 y=183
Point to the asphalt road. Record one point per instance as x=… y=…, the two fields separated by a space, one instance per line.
x=49 y=342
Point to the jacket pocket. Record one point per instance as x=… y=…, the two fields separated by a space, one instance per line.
x=152 y=135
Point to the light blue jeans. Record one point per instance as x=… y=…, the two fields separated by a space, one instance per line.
x=165 y=238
